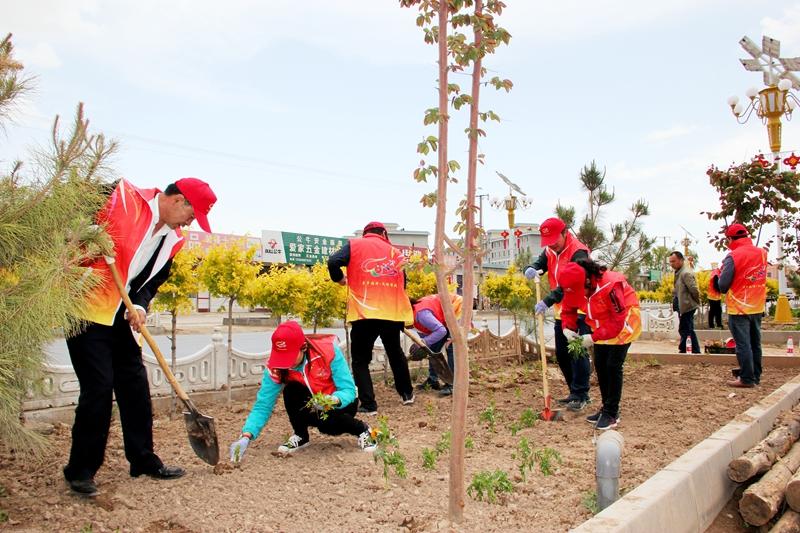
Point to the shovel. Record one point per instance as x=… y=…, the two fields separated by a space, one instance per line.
x=548 y=415
x=201 y=428
x=438 y=362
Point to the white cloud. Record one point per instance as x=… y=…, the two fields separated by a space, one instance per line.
x=670 y=133
x=786 y=29
x=41 y=56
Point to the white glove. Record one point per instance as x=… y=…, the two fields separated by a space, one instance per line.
x=532 y=273
x=569 y=334
x=238 y=448
x=587 y=341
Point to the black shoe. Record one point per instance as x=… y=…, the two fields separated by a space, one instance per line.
x=577 y=405
x=369 y=411
x=165 y=472
x=736 y=372
x=606 y=422
x=565 y=401
x=592 y=419
x=447 y=390
x=408 y=398
x=83 y=487
x=429 y=384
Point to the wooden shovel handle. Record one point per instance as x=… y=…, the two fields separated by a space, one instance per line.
x=540 y=328
x=149 y=338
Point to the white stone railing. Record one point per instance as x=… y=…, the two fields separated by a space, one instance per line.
x=205 y=370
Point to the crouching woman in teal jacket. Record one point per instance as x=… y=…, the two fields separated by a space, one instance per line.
x=302 y=365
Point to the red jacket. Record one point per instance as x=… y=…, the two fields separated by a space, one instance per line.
x=556 y=260
x=612 y=311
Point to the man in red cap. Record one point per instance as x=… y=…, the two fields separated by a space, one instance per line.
x=560 y=248
x=377 y=306
x=302 y=365
x=612 y=312
x=743 y=276
x=145 y=227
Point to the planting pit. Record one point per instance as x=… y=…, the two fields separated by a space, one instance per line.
x=333 y=486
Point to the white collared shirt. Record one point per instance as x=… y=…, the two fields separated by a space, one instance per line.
x=150 y=242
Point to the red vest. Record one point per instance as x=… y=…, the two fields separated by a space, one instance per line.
x=126 y=217
x=433 y=304
x=600 y=308
x=316 y=374
x=555 y=260
x=748 y=292
x=375 y=281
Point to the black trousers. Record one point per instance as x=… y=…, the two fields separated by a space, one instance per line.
x=714 y=314
x=108 y=360
x=686 y=330
x=608 y=361
x=295 y=398
x=576 y=370
x=363 y=334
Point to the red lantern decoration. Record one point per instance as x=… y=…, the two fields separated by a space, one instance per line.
x=518 y=234
x=792 y=161
x=504 y=234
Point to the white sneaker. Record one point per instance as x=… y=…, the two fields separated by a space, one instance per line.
x=366 y=442
x=408 y=399
x=293 y=444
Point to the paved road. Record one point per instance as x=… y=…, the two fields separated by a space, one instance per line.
x=188 y=344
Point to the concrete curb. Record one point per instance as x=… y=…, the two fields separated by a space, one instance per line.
x=690 y=492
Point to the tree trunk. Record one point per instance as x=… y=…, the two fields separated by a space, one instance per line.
x=759 y=458
x=315 y=325
x=789 y=523
x=174 y=403
x=230 y=349
x=347 y=341
x=793 y=492
x=761 y=500
x=458 y=423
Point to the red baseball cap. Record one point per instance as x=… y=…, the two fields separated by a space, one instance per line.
x=572 y=280
x=550 y=229
x=374 y=225
x=200 y=196
x=287 y=340
x=736 y=230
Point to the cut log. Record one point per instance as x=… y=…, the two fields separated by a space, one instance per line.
x=793 y=492
x=789 y=523
x=760 y=457
x=762 y=500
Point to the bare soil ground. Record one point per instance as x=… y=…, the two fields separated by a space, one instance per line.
x=333 y=486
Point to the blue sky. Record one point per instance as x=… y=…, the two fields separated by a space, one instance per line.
x=304 y=116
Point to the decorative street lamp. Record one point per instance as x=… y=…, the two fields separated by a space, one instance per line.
x=770 y=104
x=510 y=204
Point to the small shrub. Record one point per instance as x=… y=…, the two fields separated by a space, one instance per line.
x=3 y=516
x=469 y=444
x=589 y=501
x=323 y=400
x=489 y=415
x=443 y=445
x=429 y=458
x=391 y=458
x=575 y=347
x=546 y=458
x=528 y=418
x=514 y=428
x=487 y=485
x=525 y=458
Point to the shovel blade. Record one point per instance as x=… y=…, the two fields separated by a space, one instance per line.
x=550 y=415
x=441 y=367
x=202 y=436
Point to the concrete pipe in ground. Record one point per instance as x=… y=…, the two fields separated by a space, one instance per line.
x=608 y=460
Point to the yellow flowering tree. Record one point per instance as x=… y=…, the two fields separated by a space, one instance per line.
x=325 y=299
x=284 y=290
x=226 y=271
x=420 y=276
x=510 y=291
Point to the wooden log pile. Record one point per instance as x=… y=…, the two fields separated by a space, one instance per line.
x=777 y=457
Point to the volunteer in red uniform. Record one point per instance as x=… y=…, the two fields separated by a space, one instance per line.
x=377 y=306
x=560 y=248
x=743 y=276
x=301 y=365
x=612 y=311
x=714 y=302
x=144 y=225
x=430 y=323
